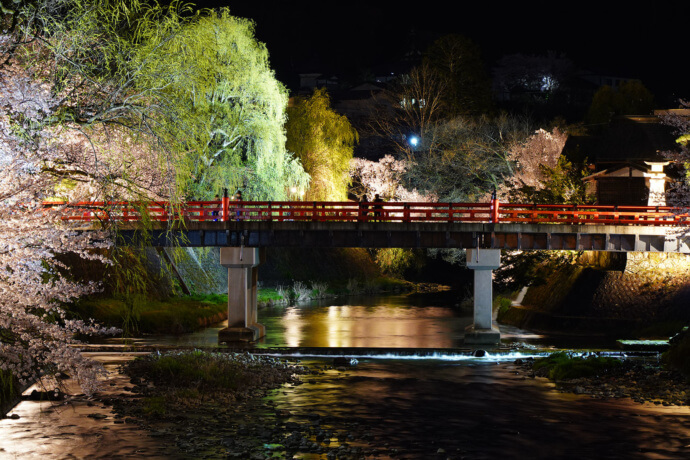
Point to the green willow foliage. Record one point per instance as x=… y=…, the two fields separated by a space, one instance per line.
x=169 y=102
x=193 y=86
x=324 y=141
x=230 y=104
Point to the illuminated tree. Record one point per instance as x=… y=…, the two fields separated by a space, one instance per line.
x=323 y=141
x=679 y=193
x=542 y=174
x=195 y=88
x=384 y=178
x=115 y=99
x=36 y=336
x=464 y=160
x=560 y=184
x=232 y=102
x=541 y=149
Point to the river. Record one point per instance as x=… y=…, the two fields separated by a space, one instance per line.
x=396 y=397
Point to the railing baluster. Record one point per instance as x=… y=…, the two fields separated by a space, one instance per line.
x=366 y=212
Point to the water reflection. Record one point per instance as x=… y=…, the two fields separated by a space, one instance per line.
x=365 y=326
x=385 y=321
x=483 y=411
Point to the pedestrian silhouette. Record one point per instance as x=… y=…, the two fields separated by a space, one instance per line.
x=378 y=207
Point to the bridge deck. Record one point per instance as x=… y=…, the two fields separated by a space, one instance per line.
x=407 y=225
x=419 y=235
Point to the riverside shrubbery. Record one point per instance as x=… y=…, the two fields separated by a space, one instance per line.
x=174 y=315
x=678 y=355
x=186 y=378
x=566 y=366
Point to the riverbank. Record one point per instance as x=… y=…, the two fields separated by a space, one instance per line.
x=644 y=381
x=631 y=295
x=172 y=315
x=372 y=409
x=184 y=314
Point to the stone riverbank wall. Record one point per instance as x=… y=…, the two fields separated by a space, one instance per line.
x=633 y=294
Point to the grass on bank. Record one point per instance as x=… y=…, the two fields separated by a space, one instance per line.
x=183 y=314
x=565 y=366
x=175 y=315
x=188 y=377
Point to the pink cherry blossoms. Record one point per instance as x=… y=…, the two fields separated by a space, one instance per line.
x=36 y=337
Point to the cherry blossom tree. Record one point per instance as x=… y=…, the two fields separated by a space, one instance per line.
x=383 y=178
x=679 y=193
x=36 y=335
x=543 y=148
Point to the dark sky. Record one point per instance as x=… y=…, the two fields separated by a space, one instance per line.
x=650 y=43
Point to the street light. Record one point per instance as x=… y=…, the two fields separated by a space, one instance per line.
x=413 y=140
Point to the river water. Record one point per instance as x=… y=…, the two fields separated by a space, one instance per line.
x=403 y=401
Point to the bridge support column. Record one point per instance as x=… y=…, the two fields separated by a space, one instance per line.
x=483 y=262
x=242 y=266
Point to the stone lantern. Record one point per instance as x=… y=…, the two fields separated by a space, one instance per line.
x=656 y=183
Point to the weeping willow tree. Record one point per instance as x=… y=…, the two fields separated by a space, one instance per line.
x=131 y=99
x=142 y=86
x=228 y=101
x=324 y=141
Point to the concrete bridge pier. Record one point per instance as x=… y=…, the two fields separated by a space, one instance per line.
x=483 y=262
x=242 y=268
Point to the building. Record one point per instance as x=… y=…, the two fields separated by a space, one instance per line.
x=627 y=160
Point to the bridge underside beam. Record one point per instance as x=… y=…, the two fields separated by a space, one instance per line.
x=438 y=235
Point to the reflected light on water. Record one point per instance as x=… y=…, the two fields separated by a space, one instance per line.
x=488 y=358
x=366 y=326
x=293 y=328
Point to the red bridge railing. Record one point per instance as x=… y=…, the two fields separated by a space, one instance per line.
x=352 y=211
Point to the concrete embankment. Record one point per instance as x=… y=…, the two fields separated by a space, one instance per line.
x=633 y=294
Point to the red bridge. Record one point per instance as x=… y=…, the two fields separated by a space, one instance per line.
x=348 y=211
x=492 y=225
x=241 y=228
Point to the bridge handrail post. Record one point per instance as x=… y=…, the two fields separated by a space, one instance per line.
x=406 y=212
x=225 y=205
x=494 y=207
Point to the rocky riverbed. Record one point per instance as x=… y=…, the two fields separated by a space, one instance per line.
x=244 y=424
x=373 y=410
x=642 y=381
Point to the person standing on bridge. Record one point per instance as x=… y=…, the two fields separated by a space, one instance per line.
x=362 y=217
x=238 y=197
x=214 y=213
x=377 y=208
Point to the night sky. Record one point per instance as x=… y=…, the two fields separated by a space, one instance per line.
x=613 y=38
